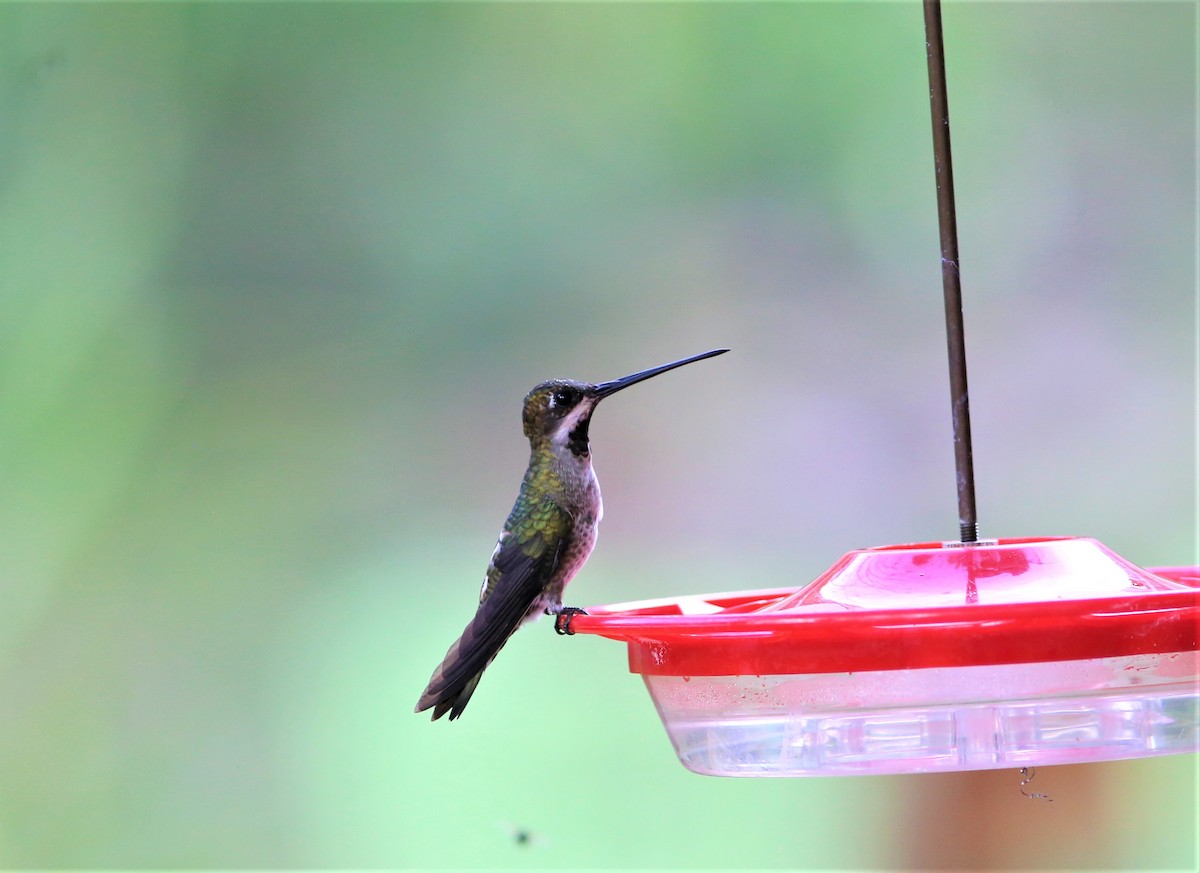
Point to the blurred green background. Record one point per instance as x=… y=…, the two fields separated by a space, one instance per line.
x=275 y=278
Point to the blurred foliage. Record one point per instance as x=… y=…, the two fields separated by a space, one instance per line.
x=274 y=278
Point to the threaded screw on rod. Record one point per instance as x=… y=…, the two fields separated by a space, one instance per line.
x=951 y=282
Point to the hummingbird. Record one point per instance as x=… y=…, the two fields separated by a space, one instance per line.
x=548 y=535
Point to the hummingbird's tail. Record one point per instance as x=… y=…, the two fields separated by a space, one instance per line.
x=450 y=686
x=455 y=679
x=445 y=700
x=514 y=591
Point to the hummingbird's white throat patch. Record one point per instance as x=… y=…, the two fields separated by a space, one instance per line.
x=562 y=433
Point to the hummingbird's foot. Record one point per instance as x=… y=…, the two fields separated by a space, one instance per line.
x=562 y=621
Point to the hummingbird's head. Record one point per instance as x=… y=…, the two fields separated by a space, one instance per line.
x=557 y=413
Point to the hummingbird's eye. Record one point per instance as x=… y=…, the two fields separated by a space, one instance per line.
x=562 y=398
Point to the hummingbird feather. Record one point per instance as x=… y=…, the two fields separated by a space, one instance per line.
x=525 y=558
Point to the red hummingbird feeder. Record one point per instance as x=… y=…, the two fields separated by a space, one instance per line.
x=925 y=657
x=932 y=656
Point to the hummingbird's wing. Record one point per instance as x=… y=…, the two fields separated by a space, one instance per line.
x=526 y=558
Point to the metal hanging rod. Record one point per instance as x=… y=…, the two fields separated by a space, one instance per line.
x=951 y=281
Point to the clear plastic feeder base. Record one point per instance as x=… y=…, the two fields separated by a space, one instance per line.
x=930 y=720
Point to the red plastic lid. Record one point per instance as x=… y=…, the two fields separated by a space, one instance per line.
x=920 y=605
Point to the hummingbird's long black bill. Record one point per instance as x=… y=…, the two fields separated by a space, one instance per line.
x=606 y=388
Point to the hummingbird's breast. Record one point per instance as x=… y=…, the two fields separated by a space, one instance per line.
x=581 y=498
x=567 y=482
